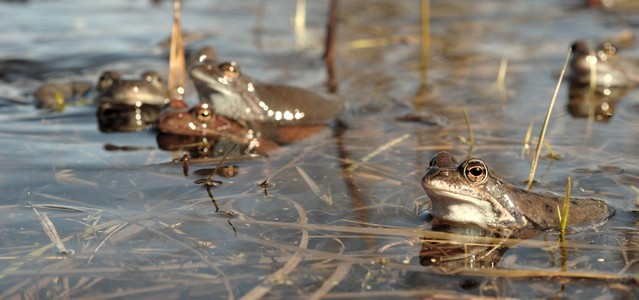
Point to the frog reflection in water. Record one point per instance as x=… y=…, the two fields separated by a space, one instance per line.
x=609 y=69
x=471 y=193
x=236 y=96
x=201 y=120
x=149 y=89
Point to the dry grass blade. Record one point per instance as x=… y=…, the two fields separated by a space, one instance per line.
x=200 y=255
x=471 y=136
x=299 y=24
x=51 y=232
x=67 y=176
x=313 y=186
x=177 y=64
x=262 y=289
x=501 y=78
x=340 y=273
x=377 y=151
x=544 y=127
x=425 y=37
x=115 y=230
x=525 y=150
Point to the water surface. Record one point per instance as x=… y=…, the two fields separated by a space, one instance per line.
x=140 y=229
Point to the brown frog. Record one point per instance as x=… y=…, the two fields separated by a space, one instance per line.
x=149 y=89
x=471 y=193
x=202 y=120
x=236 y=96
x=602 y=66
x=52 y=95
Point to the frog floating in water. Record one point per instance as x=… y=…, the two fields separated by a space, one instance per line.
x=149 y=89
x=236 y=96
x=471 y=193
x=611 y=70
x=202 y=121
x=52 y=95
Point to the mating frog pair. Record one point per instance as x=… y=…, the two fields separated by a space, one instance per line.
x=234 y=106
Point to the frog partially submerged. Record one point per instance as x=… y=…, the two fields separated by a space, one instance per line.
x=202 y=121
x=236 y=96
x=52 y=95
x=471 y=193
x=149 y=89
x=602 y=64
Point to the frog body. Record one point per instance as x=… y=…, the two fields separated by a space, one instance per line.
x=471 y=193
x=236 y=96
x=149 y=89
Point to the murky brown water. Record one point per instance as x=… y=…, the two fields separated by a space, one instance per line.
x=140 y=229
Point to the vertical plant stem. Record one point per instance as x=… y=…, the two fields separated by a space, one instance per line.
x=471 y=136
x=425 y=38
x=563 y=216
x=177 y=80
x=544 y=127
x=329 y=54
x=590 y=96
x=299 y=24
x=501 y=78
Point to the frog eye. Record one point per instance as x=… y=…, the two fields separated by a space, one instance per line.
x=432 y=161
x=203 y=114
x=230 y=69
x=151 y=76
x=475 y=171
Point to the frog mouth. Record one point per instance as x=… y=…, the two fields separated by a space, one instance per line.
x=437 y=195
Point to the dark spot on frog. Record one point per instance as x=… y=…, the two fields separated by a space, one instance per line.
x=548 y=208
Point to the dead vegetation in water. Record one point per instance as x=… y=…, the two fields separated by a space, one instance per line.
x=191 y=253
x=309 y=237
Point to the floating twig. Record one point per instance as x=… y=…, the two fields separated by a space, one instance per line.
x=209 y=182
x=313 y=186
x=542 y=134
x=377 y=151
x=51 y=232
x=230 y=216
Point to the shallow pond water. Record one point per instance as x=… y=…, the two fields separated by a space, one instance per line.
x=340 y=216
